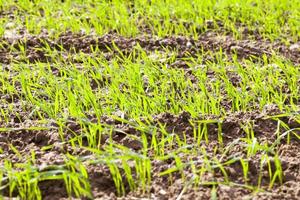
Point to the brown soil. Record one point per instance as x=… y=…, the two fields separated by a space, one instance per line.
x=68 y=42
x=233 y=128
x=165 y=187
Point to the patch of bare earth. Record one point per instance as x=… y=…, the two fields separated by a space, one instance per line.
x=70 y=43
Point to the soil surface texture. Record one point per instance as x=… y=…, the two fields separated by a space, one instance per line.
x=217 y=143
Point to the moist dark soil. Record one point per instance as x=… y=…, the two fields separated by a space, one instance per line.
x=176 y=186
x=169 y=187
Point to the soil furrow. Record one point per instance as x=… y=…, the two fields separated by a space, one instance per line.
x=35 y=46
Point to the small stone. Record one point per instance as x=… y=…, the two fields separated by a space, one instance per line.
x=236 y=48
x=162 y=192
x=189 y=44
x=295 y=47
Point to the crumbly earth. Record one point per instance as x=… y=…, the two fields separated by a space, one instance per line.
x=163 y=187
x=69 y=42
x=26 y=140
